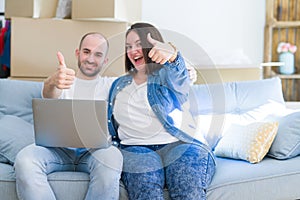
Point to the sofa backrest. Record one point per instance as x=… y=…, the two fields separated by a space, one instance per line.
x=234 y=97
x=16 y=97
x=216 y=107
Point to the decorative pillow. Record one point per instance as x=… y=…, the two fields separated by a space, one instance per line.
x=15 y=134
x=287 y=141
x=16 y=97
x=214 y=126
x=247 y=142
x=64 y=8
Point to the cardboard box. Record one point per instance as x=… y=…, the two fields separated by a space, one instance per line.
x=35 y=42
x=30 y=8
x=128 y=10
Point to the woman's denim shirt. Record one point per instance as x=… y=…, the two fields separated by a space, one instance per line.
x=167 y=89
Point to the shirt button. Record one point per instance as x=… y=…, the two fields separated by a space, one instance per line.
x=118 y=87
x=108 y=121
x=110 y=103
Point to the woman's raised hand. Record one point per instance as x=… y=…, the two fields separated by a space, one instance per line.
x=161 y=52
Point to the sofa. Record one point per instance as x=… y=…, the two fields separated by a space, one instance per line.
x=218 y=109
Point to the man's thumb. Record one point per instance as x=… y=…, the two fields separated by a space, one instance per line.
x=61 y=60
x=151 y=40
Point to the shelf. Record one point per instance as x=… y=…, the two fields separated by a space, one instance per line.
x=284 y=24
x=285 y=76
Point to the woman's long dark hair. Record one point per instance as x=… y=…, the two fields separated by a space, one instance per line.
x=142 y=29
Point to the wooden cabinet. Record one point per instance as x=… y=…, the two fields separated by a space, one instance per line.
x=283 y=25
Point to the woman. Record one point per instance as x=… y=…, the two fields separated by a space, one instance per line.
x=145 y=112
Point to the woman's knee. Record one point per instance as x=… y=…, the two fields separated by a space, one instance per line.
x=194 y=164
x=143 y=173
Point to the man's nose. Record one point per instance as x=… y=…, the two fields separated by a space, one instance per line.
x=91 y=58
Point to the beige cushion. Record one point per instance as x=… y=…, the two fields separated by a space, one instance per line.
x=247 y=142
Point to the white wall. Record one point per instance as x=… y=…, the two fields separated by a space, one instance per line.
x=2 y=10
x=230 y=31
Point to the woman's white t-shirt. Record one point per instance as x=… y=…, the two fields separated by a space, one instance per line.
x=138 y=124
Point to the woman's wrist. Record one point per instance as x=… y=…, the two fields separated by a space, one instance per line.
x=174 y=56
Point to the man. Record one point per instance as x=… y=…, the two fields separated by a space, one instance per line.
x=34 y=163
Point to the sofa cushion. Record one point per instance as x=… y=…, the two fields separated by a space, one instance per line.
x=234 y=97
x=216 y=106
x=16 y=97
x=266 y=180
x=287 y=142
x=251 y=142
x=15 y=134
x=214 y=126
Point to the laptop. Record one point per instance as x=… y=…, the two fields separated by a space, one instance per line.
x=71 y=123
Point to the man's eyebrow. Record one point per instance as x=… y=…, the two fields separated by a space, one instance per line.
x=101 y=53
x=86 y=49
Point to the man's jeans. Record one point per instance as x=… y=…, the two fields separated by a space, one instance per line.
x=185 y=169
x=34 y=163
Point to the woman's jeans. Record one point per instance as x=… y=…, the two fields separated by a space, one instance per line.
x=34 y=163
x=185 y=169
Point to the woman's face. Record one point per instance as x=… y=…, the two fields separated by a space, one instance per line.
x=134 y=51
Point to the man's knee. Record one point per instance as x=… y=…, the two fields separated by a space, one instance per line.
x=110 y=157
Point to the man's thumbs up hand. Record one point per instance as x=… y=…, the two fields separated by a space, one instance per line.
x=61 y=60
x=63 y=77
x=161 y=52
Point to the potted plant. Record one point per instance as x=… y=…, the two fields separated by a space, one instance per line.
x=286 y=52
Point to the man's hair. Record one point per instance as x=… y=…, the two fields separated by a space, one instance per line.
x=94 y=33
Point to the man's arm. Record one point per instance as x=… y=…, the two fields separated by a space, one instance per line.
x=63 y=78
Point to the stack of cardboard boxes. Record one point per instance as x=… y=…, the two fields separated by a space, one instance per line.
x=36 y=33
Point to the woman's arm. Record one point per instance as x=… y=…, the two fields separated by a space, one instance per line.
x=176 y=75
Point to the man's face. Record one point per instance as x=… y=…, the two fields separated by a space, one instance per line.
x=92 y=55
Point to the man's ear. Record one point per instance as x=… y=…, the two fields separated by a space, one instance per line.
x=77 y=53
x=106 y=61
